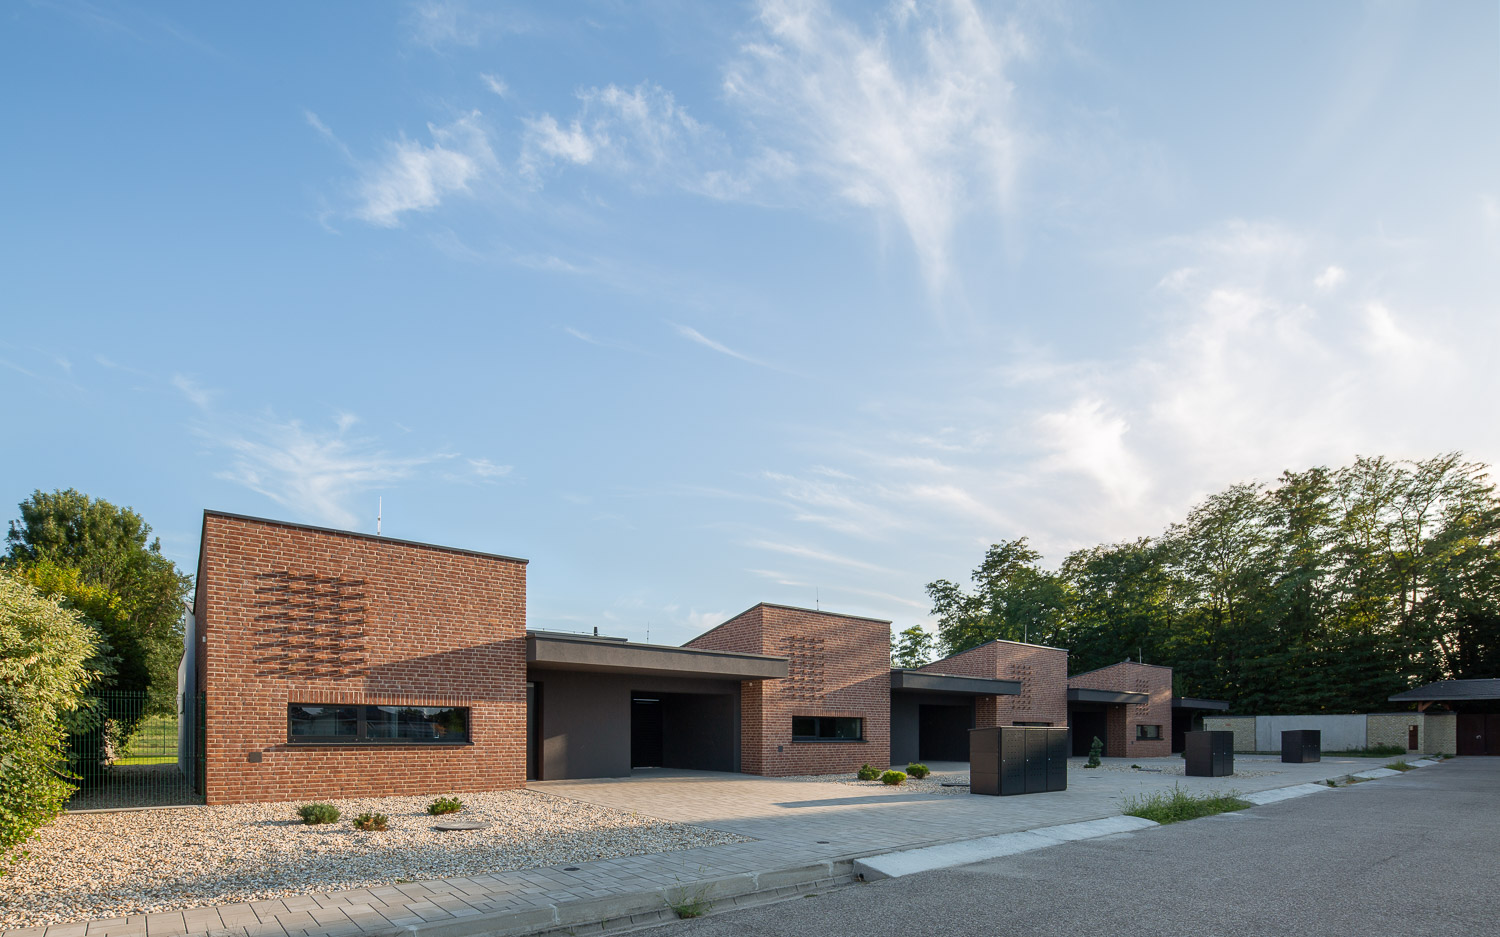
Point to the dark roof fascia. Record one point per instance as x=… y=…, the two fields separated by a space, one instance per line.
x=1081 y=695
x=602 y=655
x=207 y=512
x=1451 y=690
x=1191 y=702
x=929 y=682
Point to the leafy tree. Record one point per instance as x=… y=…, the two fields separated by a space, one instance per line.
x=112 y=550
x=914 y=647
x=44 y=650
x=1124 y=603
x=1013 y=599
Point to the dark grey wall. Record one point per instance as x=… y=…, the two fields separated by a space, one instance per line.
x=906 y=721
x=584 y=727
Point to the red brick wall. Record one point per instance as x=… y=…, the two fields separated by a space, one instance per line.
x=1131 y=677
x=1043 y=672
x=839 y=666
x=291 y=614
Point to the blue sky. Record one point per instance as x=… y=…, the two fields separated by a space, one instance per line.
x=699 y=305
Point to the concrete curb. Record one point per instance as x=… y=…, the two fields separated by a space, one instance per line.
x=1276 y=795
x=947 y=855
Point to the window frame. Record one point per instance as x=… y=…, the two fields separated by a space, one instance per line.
x=362 y=738
x=1141 y=736
x=817 y=723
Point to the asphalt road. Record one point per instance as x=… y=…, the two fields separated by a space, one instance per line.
x=1412 y=855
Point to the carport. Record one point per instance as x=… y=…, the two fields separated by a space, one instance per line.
x=598 y=706
x=1187 y=716
x=932 y=713
x=1100 y=714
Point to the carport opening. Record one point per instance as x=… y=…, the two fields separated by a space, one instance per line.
x=943 y=732
x=1088 y=724
x=682 y=730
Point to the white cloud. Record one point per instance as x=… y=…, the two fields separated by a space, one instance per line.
x=816 y=555
x=439 y=23
x=193 y=391
x=414 y=177
x=495 y=84
x=484 y=468
x=314 y=473
x=545 y=137
x=1330 y=279
x=640 y=132
x=692 y=334
x=913 y=116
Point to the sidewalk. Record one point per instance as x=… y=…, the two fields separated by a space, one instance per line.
x=806 y=834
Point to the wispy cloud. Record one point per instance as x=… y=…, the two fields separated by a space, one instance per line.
x=1330 y=279
x=816 y=555
x=440 y=23
x=484 y=468
x=496 y=84
x=418 y=177
x=323 y=130
x=693 y=335
x=314 y=473
x=196 y=393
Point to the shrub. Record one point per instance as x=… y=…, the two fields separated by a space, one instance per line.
x=371 y=822
x=918 y=771
x=1400 y=766
x=893 y=777
x=867 y=773
x=1180 y=805
x=1378 y=751
x=445 y=805
x=313 y=814
x=1095 y=750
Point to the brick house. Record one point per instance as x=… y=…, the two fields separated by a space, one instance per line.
x=341 y=664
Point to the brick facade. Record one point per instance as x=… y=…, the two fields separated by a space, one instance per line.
x=839 y=665
x=1042 y=670
x=1121 y=720
x=293 y=614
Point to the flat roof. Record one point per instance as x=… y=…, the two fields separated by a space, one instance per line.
x=1077 y=695
x=1192 y=702
x=1455 y=690
x=207 y=512
x=929 y=682
x=553 y=651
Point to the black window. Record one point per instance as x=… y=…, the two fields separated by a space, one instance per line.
x=1143 y=733
x=827 y=729
x=381 y=724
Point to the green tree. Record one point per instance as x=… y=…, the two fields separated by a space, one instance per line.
x=914 y=647
x=1013 y=599
x=112 y=549
x=1124 y=603
x=44 y=676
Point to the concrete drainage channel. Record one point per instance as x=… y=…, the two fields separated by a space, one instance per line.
x=621 y=913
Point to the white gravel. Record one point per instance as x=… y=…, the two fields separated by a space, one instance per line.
x=106 y=865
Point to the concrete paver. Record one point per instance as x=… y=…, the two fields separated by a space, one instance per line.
x=791 y=824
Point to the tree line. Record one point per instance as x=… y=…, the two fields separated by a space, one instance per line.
x=1324 y=592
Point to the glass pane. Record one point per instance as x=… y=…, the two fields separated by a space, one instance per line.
x=804 y=727
x=417 y=723
x=847 y=728
x=322 y=721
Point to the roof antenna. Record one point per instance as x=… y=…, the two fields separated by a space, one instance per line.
x=817 y=600
x=648 y=632
x=379 y=510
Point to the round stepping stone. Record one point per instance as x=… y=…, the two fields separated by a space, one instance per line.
x=448 y=826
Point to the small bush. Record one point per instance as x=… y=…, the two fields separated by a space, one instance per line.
x=893 y=777
x=867 y=773
x=1180 y=805
x=313 y=814
x=371 y=822
x=1400 y=766
x=1095 y=750
x=445 y=805
x=1379 y=751
x=918 y=771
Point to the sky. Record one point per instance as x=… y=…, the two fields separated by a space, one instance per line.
x=701 y=305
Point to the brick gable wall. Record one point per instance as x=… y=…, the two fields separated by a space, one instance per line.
x=837 y=666
x=1132 y=677
x=288 y=614
x=1043 y=672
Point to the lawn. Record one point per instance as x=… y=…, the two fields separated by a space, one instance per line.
x=154 y=742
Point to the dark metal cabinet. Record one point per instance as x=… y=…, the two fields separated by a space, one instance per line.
x=1302 y=746
x=1209 y=754
x=1018 y=760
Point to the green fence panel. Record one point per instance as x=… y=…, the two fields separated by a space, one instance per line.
x=124 y=753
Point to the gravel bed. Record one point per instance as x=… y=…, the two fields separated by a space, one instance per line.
x=1169 y=770
x=107 y=865
x=932 y=784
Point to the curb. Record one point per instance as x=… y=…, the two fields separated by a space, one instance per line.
x=947 y=855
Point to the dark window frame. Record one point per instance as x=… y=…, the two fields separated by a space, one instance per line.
x=1142 y=736
x=817 y=735
x=362 y=738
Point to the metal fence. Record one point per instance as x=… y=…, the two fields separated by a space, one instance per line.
x=127 y=753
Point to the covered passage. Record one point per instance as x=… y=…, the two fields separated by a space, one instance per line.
x=932 y=713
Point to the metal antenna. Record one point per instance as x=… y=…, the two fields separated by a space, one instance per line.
x=379 y=510
x=817 y=599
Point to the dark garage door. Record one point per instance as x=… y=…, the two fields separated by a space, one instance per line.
x=1479 y=733
x=943 y=732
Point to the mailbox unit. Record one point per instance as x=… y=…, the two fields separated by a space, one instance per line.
x=1302 y=746
x=1209 y=754
x=1018 y=760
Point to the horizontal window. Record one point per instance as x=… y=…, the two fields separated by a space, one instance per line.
x=383 y=724
x=827 y=729
x=1143 y=733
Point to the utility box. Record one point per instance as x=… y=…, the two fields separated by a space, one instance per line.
x=1209 y=754
x=1302 y=746
x=1009 y=760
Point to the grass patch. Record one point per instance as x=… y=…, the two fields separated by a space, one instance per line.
x=153 y=742
x=1400 y=766
x=1379 y=751
x=1180 y=805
